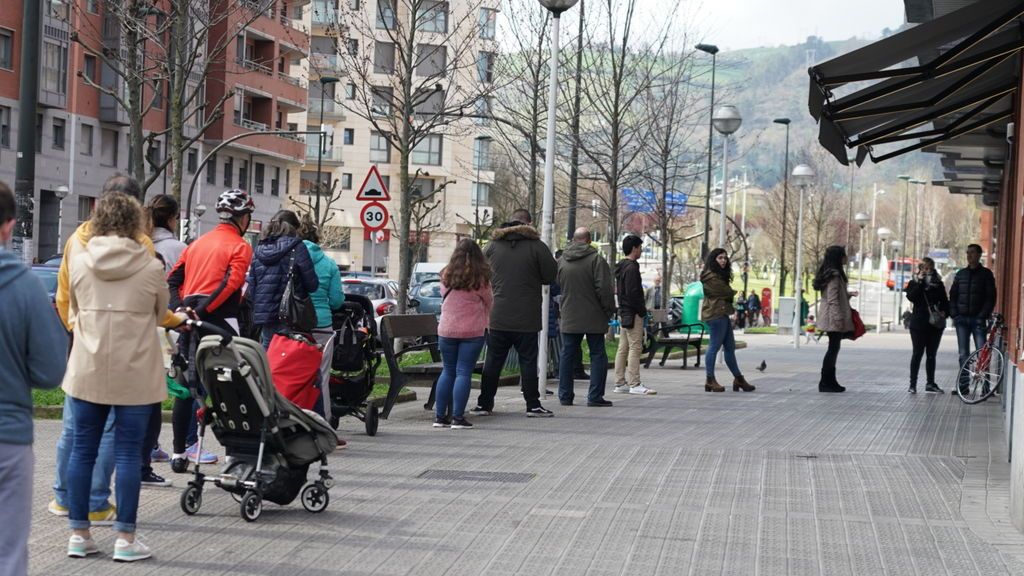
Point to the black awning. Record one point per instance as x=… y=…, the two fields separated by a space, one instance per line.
x=966 y=76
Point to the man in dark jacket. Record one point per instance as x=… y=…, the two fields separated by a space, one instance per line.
x=971 y=301
x=629 y=289
x=520 y=265
x=588 y=302
x=32 y=355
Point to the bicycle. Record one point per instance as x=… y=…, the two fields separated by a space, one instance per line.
x=983 y=369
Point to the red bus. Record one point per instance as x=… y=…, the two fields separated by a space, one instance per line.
x=904 y=265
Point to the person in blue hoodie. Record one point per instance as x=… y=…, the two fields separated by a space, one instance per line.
x=328 y=297
x=268 y=274
x=32 y=355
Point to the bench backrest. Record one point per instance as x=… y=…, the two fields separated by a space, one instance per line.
x=409 y=325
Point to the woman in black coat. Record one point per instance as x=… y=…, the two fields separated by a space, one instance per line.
x=927 y=293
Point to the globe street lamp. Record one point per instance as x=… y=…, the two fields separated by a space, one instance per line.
x=556 y=7
x=861 y=219
x=785 y=194
x=61 y=193
x=198 y=210
x=726 y=120
x=883 y=235
x=713 y=50
x=803 y=175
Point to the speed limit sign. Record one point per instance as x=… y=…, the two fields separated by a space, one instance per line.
x=374 y=216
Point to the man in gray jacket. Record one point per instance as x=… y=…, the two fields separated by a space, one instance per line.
x=520 y=265
x=33 y=354
x=588 y=302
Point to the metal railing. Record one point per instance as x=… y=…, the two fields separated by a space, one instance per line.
x=255 y=66
x=331 y=153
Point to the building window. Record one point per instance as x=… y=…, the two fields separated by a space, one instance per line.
x=350 y=91
x=55 y=68
x=307 y=181
x=432 y=60
x=485 y=67
x=386 y=14
x=243 y=174
x=85 y=140
x=346 y=181
x=352 y=47
x=39 y=133
x=482 y=154
x=93 y=6
x=488 y=18
x=354 y=4
x=193 y=161
x=382 y=99
x=6 y=49
x=5 y=126
x=380 y=150
x=85 y=205
x=428 y=151
x=383 y=57
x=158 y=94
x=229 y=171
x=153 y=155
x=109 y=147
x=481 y=194
x=89 y=69
x=275 y=182
x=258 y=176
x=483 y=110
x=349 y=136
x=429 y=103
x=434 y=17
x=58 y=133
x=211 y=170
x=422 y=187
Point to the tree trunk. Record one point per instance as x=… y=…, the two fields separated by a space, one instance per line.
x=176 y=100
x=135 y=82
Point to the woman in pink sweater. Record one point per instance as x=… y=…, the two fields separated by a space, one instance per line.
x=465 y=308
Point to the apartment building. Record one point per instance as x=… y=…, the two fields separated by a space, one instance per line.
x=82 y=134
x=454 y=163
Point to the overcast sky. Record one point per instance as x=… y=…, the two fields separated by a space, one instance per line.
x=734 y=24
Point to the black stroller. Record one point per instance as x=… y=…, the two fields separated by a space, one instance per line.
x=354 y=364
x=270 y=442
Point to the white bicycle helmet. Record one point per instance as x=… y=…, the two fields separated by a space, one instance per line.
x=235 y=202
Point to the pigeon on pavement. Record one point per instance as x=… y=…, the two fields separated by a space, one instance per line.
x=762 y=366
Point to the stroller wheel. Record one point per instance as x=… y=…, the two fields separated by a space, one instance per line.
x=191 y=499
x=372 y=420
x=251 y=506
x=315 y=497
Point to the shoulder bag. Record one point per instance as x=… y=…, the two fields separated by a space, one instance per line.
x=936 y=317
x=296 y=312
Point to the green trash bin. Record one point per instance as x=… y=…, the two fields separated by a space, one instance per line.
x=693 y=298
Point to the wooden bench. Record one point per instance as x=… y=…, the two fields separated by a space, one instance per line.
x=887 y=324
x=661 y=333
x=423 y=329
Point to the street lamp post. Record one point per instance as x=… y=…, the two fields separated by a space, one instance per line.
x=874 y=211
x=861 y=219
x=61 y=193
x=324 y=81
x=897 y=305
x=802 y=176
x=883 y=235
x=726 y=120
x=904 y=208
x=199 y=210
x=917 y=215
x=556 y=7
x=713 y=50
x=785 y=195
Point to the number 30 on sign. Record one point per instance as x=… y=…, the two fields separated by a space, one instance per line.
x=374 y=216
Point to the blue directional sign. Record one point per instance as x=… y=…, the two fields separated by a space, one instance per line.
x=646 y=201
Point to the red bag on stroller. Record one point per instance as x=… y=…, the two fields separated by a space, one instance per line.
x=294 y=362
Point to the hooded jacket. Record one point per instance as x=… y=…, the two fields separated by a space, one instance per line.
x=520 y=265
x=167 y=246
x=269 y=274
x=629 y=288
x=588 y=300
x=32 y=347
x=328 y=295
x=718 y=296
x=117 y=295
x=834 y=314
x=925 y=293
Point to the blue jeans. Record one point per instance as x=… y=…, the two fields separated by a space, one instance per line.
x=101 y=473
x=720 y=335
x=458 y=356
x=130 y=423
x=267 y=334
x=567 y=366
x=966 y=328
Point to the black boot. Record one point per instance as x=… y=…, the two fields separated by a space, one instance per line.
x=913 y=388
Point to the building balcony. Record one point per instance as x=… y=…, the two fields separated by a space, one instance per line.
x=263 y=78
x=331 y=154
x=324 y=64
x=285 y=146
x=332 y=110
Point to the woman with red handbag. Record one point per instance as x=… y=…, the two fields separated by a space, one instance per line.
x=835 y=317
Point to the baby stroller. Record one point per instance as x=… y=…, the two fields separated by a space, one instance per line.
x=270 y=442
x=354 y=364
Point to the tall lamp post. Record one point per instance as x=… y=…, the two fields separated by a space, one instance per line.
x=904 y=208
x=862 y=220
x=199 y=210
x=785 y=195
x=713 y=50
x=917 y=214
x=803 y=175
x=726 y=120
x=874 y=212
x=897 y=305
x=556 y=7
x=322 y=137
x=61 y=193
x=883 y=235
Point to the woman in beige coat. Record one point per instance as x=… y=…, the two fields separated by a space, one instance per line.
x=835 y=317
x=118 y=295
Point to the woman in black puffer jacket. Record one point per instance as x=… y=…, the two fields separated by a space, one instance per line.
x=926 y=292
x=268 y=274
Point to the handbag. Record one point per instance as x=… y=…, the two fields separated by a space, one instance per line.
x=858 y=325
x=296 y=312
x=936 y=317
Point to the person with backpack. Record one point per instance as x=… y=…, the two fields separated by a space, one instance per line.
x=279 y=256
x=753 y=309
x=715 y=311
x=207 y=280
x=632 y=309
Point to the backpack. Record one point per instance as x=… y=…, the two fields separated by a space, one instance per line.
x=353 y=345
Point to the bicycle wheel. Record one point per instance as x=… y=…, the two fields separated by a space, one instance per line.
x=982 y=373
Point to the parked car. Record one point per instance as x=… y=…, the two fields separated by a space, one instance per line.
x=54 y=260
x=48 y=275
x=428 y=293
x=382 y=292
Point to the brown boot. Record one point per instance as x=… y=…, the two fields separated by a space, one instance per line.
x=740 y=383
x=712 y=385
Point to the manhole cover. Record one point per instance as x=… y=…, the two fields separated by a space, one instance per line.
x=477 y=476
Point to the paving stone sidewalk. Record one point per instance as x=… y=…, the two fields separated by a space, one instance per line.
x=780 y=481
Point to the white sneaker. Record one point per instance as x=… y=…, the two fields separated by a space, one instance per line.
x=125 y=551
x=642 y=390
x=624 y=389
x=79 y=547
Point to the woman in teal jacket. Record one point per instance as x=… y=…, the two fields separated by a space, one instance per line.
x=328 y=296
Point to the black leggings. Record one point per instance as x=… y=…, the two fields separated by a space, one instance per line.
x=925 y=340
x=828 y=364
